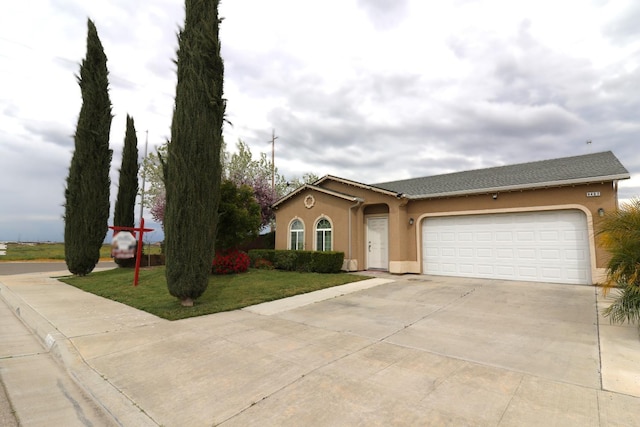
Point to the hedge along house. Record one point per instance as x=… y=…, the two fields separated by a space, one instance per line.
x=532 y=222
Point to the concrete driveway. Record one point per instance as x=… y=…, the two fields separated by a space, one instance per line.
x=454 y=351
x=412 y=350
x=542 y=329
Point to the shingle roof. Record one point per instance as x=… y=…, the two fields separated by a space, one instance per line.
x=565 y=171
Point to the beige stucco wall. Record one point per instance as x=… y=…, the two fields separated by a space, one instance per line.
x=404 y=239
x=324 y=206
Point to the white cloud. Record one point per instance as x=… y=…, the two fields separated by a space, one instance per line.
x=369 y=90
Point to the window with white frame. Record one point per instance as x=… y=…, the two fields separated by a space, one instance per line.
x=323 y=235
x=296 y=233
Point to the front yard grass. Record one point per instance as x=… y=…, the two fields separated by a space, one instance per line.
x=54 y=251
x=224 y=293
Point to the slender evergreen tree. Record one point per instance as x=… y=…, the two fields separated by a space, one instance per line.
x=124 y=214
x=193 y=166
x=88 y=183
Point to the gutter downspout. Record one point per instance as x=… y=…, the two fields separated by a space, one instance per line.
x=358 y=202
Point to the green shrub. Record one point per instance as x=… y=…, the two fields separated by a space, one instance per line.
x=327 y=262
x=256 y=254
x=625 y=307
x=303 y=261
x=285 y=260
x=620 y=235
x=263 y=264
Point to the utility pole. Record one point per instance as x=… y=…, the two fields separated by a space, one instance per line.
x=146 y=145
x=273 y=159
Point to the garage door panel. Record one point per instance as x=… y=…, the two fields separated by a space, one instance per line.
x=465 y=253
x=526 y=236
x=465 y=237
x=551 y=274
x=465 y=268
x=485 y=269
x=485 y=221
x=549 y=216
x=504 y=236
x=483 y=236
x=526 y=253
x=431 y=252
x=551 y=246
x=574 y=236
x=549 y=254
x=449 y=268
x=433 y=267
x=576 y=274
x=432 y=237
x=578 y=255
x=484 y=252
x=448 y=236
x=448 y=252
x=505 y=271
x=505 y=254
x=529 y=272
x=549 y=236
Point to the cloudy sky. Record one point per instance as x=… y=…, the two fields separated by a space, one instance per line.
x=369 y=90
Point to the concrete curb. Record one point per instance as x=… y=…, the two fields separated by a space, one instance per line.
x=119 y=407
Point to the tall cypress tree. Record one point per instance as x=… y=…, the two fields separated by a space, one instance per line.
x=123 y=215
x=88 y=183
x=193 y=165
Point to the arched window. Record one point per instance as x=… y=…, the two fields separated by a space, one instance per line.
x=296 y=233
x=323 y=235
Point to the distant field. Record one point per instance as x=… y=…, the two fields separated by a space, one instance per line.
x=53 y=251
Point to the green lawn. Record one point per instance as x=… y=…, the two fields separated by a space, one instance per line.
x=226 y=292
x=53 y=251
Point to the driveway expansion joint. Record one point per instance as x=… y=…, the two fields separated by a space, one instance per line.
x=598 y=335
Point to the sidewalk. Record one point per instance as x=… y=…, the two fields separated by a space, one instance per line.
x=75 y=394
x=42 y=391
x=360 y=359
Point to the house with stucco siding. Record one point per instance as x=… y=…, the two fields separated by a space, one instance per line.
x=534 y=221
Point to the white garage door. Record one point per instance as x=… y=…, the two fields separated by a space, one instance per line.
x=548 y=246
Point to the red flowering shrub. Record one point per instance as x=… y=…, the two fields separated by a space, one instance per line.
x=231 y=261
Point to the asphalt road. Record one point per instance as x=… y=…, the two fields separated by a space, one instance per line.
x=10 y=268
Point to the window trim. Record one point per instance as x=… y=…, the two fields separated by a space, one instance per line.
x=315 y=234
x=300 y=234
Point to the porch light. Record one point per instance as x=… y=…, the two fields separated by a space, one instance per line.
x=411 y=221
x=600 y=212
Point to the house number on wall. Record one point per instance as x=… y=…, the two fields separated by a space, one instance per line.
x=593 y=194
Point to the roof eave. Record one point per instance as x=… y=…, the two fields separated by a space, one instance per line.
x=315 y=188
x=358 y=184
x=521 y=187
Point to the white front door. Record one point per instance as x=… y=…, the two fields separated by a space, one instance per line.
x=377 y=243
